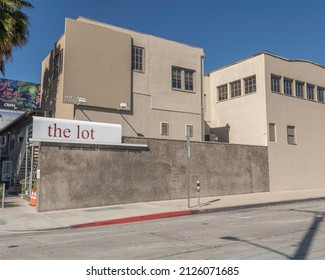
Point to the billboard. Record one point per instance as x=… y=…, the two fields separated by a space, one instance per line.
x=71 y=131
x=18 y=95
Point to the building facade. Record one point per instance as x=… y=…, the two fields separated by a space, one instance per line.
x=149 y=85
x=271 y=101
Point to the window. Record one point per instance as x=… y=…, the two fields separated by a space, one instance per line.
x=310 y=92
x=287 y=87
x=137 y=58
x=182 y=79
x=275 y=83
x=190 y=126
x=188 y=80
x=177 y=78
x=272 y=132
x=223 y=92
x=58 y=64
x=291 y=135
x=250 y=84
x=299 y=89
x=164 y=128
x=235 y=88
x=320 y=94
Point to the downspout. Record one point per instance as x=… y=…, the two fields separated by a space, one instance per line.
x=202 y=100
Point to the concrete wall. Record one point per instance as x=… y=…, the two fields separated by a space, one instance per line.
x=72 y=177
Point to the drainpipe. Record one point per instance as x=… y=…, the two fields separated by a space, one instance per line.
x=202 y=100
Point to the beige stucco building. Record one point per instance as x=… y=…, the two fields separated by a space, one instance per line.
x=149 y=85
x=271 y=101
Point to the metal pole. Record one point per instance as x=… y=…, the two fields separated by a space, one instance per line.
x=31 y=170
x=3 y=195
x=188 y=155
x=26 y=159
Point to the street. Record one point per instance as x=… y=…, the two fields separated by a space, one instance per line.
x=287 y=231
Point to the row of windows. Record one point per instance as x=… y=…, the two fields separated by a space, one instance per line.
x=297 y=88
x=291 y=134
x=249 y=85
x=164 y=129
x=182 y=79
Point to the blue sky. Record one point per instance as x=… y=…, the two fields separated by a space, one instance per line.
x=227 y=30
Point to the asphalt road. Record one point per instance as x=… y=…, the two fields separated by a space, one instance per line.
x=289 y=231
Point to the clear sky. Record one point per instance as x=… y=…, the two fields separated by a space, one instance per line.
x=227 y=30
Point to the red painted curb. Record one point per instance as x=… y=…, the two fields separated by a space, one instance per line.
x=134 y=219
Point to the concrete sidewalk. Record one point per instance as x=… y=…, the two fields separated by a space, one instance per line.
x=18 y=216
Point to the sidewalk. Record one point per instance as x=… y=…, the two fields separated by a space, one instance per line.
x=18 y=216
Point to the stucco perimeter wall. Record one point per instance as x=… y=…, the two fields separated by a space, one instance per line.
x=84 y=176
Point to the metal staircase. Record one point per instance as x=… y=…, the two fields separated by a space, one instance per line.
x=25 y=170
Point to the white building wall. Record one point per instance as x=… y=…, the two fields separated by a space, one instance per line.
x=302 y=165
x=245 y=116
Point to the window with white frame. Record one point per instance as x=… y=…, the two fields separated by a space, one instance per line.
x=189 y=127
x=222 y=92
x=320 y=94
x=183 y=79
x=272 y=132
x=164 y=128
x=275 y=83
x=250 y=84
x=299 y=89
x=137 y=58
x=310 y=92
x=287 y=86
x=235 y=88
x=58 y=63
x=291 y=135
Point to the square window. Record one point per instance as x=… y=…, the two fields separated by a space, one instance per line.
x=299 y=89
x=177 y=78
x=320 y=94
x=164 y=128
x=182 y=79
x=291 y=135
x=137 y=58
x=223 y=92
x=188 y=80
x=287 y=87
x=250 y=84
x=235 y=88
x=275 y=83
x=310 y=92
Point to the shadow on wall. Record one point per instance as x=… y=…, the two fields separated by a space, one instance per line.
x=219 y=134
x=50 y=84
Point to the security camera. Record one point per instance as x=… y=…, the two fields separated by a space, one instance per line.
x=82 y=100
x=123 y=105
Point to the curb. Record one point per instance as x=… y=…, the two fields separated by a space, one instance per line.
x=134 y=219
x=187 y=212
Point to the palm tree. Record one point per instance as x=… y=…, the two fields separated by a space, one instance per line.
x=13 y=28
